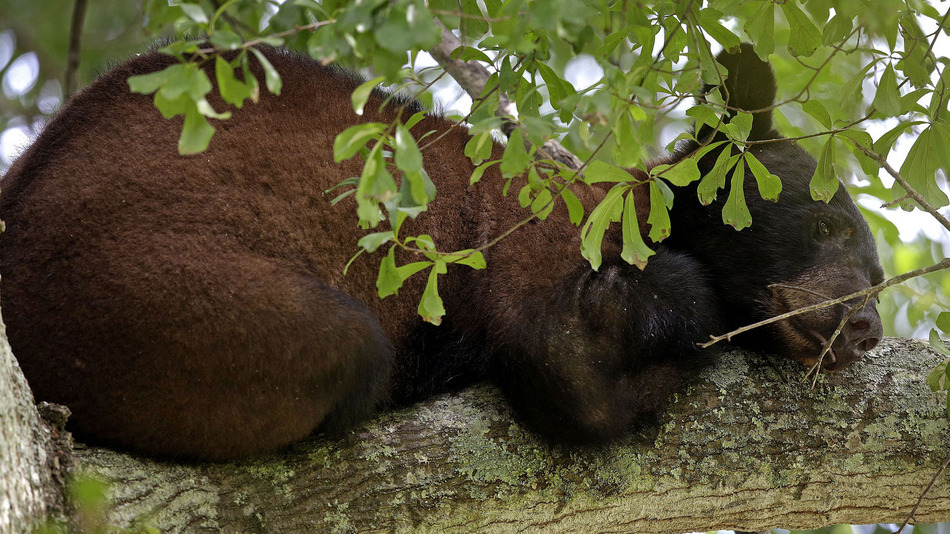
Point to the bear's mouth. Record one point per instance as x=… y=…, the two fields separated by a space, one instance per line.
x=853 y=329
x=841 y=353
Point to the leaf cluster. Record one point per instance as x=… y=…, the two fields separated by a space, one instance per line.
x=843 y=65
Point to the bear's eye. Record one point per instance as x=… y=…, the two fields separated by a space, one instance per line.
x=824 y=227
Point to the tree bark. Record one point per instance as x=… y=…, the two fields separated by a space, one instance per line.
x=749 y=447
x=31 y=456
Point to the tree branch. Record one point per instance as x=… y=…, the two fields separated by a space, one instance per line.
x=473 y=77
x=853 y=450
x=71 y=76
x=911 y=192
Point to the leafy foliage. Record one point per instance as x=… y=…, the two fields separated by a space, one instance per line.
x=844 y=66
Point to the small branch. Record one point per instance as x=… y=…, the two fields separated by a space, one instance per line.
x=826 y=346
x=933 y=481
x=254 y=42
x=473 y=77
x=907 y=187
x=944 y=264
x=71 y=76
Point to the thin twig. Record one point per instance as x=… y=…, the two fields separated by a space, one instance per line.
x=873 y=290
x=826 y=346
x=473 y=77
x=71 y=76
x=933 y=481
x=900 y=179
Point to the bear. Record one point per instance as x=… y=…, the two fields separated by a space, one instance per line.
x=196 y=308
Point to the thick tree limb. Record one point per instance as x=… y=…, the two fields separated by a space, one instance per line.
x=742 y=449
x=29 y=465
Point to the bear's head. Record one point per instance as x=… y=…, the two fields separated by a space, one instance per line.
x=797 y=252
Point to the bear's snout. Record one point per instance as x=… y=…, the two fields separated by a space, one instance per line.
x=860 y=334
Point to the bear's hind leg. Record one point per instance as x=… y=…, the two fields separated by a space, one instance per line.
x=184 y=348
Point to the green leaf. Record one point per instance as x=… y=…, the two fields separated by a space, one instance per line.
x=937 y=344
x=769 y=184
x=887 y=100
x=680 y=174
x=659 y=219
x=542 y=204
x=761 y=29
x=836 y=30
x=524 y=196
x=709 y=19
x=703 y=115
x=226 y=40
x=271 y=77
x=817 y=110
x=349 y=141
x=861 y=138
x=739 y=126
x=635 y=250
x=408 y=157
x=232 y=90
x=885 y=142
x=851 y=91
x=575 y=209
x=803 y=37
x=479 y=171
x=470 y=53
x=515 y=159
x=409 y=160
x=921 y=164
x=147 y=84
x=431 y=307
x=195 y=134
x=390 y=278
x=469 y=257
x=479 y=147
x=715 y=179
x=710 y=72
x=943 y=322
x=205 y=109
x=194 y=12
x=627 y=147
x=599 y=171
x=558 y=89
x=371 y=242
x=592 y=234
x=376 y=185
x=939 y=378
x=735 y=212
x=362 y=93
x=824 y=183
x=412 y=268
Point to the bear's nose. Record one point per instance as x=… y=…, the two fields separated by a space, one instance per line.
x=860 y=334
x=861 y=326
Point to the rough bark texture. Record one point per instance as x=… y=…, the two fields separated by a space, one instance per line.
x=749 y=447
x=30 y=469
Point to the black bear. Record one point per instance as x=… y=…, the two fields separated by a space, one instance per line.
x=196 y=307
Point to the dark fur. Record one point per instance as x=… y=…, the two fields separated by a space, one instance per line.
x=196 y=306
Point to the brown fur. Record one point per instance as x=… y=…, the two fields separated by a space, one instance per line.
x=190 y=292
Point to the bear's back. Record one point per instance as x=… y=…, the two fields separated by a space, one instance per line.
x=106 y=174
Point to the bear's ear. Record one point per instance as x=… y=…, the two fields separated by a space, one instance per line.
x=749 y=85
